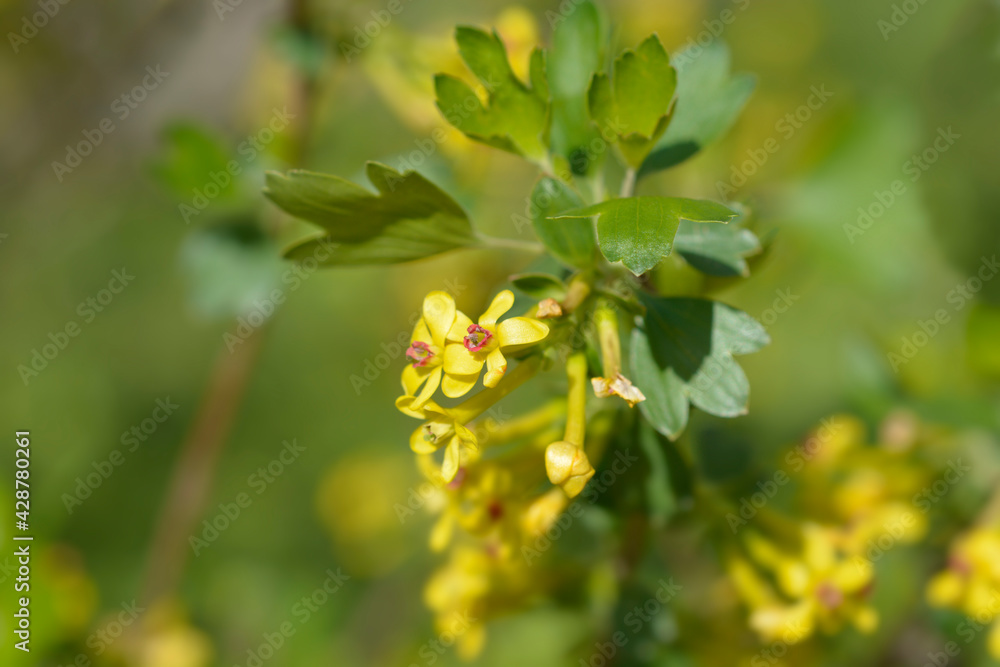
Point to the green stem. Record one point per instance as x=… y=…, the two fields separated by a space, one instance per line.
x=509 y=244
x=576 y=408
x=485 y=399
x=628 y=183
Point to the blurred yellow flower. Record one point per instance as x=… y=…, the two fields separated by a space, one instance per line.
x=971 y=582
x=819 y=587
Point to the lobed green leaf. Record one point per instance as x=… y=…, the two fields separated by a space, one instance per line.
x=639 y=231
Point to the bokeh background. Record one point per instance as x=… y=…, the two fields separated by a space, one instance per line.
x=321 y=371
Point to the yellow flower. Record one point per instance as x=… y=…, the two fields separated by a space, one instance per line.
x=470 y=345
x=972 y=581
x=442 y=429
x=426 y=351
x=819 y=587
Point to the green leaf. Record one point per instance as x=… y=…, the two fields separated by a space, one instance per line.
x=718 y=250
x=639 y=231
x=638 y=102
x=540 y=285
x=191 y=155
x=408 y=218
x=515 y=117
x=683 y=354
x=709 y=101
x=569 y=240
x=659 y=492
x=982 y=334
x=230 y=268
x=577 y=53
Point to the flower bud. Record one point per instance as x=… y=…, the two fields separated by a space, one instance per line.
x=568 y=466
x=543 y=512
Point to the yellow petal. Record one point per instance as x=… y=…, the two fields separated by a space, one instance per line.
x=466 y=436
x=433 y=381
x=441 y=533
x=818 y=548
x=853 y=575
x=793 y=577
x=750 y=585
x=404 y=404
x=865 y=619
x=460 y=328
x=501 y=304
x=993 y=640
x=521 y=331
x=496 y=366
x=459 y=361
x=452 y=459
x=788 y=623
x=456 y=386
x=421 y=333
x=439 y=314
x=945 y=589
x=420 y=445
x=413 y=377
x=470 y=643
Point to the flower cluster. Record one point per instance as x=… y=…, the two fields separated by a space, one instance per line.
x=971 y=582
x=817 y=572
x=500 y=484
x=448 y=350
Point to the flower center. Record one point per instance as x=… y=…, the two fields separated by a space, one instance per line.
x=478 y=338
x=829 y=595
x=419 y=353
x=435 y=431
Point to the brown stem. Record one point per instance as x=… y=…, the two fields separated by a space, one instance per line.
x=191 y=481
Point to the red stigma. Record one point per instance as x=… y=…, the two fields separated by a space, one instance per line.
x=477 y=339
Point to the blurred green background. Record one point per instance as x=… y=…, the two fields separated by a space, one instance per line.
x=322 y=371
